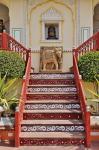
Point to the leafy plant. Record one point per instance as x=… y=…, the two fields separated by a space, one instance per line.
x=11 y=63
x=89 y=66
x=5 y=85
x=4 y=88
x=4 y=103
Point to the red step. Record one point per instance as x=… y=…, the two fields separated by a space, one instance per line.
x=51 y=141
x=46 y=116
x=51 y=82
x=33 y=96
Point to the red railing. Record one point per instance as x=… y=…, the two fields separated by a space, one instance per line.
x=10 y=44
x=92 y=44
x=20 y=109
x=81 y=96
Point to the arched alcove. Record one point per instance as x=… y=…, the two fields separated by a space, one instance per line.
x=51 y=19
x=4 y=15
x=96 y=19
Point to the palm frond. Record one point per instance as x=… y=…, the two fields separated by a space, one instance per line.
x=2 y=81
x=4 y=103
x=8 y=85
x=97 y=80
x=95 y=94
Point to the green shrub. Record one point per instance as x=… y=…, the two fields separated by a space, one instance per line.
x=11 y=63
x=89 y=66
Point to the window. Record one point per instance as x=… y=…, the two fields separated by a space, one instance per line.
x=17 y=34
x=51 y=26
x=85 y=33
x=52 y=31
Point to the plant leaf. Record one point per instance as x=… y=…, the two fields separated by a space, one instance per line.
x=95 y=94
x=8 y=85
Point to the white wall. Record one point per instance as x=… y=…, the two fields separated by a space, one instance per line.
x=35 y=26
x=77 y=25
x=17 y=19
x=86 y=19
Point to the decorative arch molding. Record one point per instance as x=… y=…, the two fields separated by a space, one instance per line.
x=96 y=8
x=4 y=14
x=40 y=3
x=96 y=18
x=5 y=3
x=51 y=14
x=94 y=4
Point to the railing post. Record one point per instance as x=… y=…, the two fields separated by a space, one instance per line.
x=98 y=41
x=88 y=128
x=4 y=40
x=17 y=128
x=27 y=55
x=76 y=54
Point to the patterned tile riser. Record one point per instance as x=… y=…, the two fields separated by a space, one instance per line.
x=52 y=89
x=51 y=96
x=51 y=82
x=52 y=128
x=52 y=76
x=51 y=106
x=45 y=116
x=51 y=141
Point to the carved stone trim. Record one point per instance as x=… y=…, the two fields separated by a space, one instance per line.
x=51 y=14
x=52 y=106
x=52 y=89
x=52 y=76
x=52 y=128
x=51 y=59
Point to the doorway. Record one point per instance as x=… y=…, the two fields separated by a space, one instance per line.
x=96 y=19
x=4 y=15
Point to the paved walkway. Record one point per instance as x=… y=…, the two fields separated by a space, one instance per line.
x=94 y=146
x=43 y=148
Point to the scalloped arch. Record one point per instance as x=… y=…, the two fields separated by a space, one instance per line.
x=51 y=14
x=5 y=3
x=40 y=3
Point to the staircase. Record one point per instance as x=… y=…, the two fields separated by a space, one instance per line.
x=52 y=114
